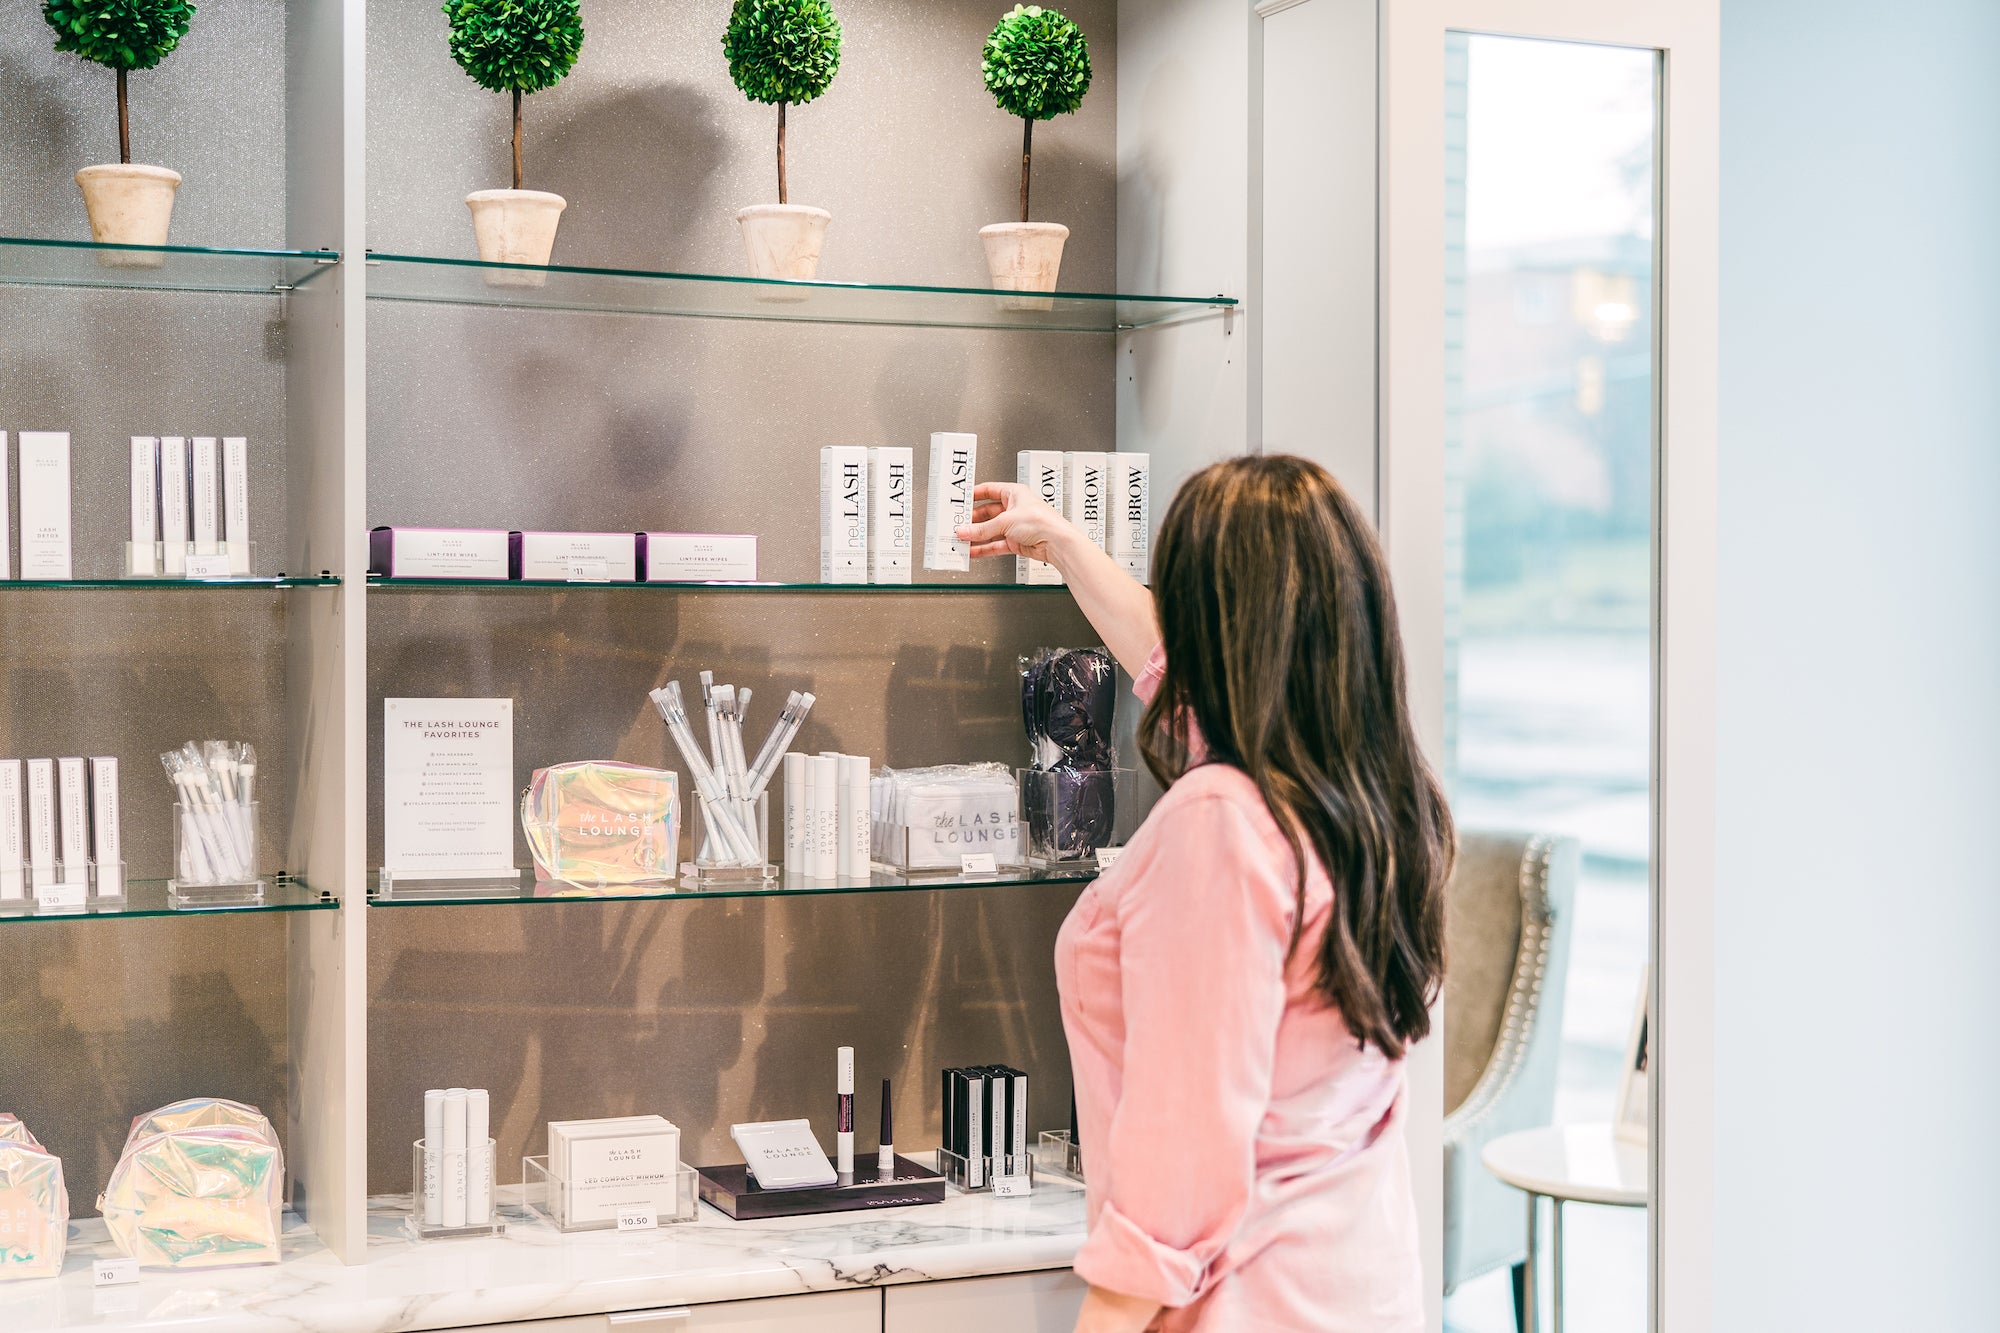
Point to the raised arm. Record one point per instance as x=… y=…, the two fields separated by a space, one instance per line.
x=1010 y=519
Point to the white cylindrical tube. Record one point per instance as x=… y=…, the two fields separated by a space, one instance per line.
x=823 y=817
x=433 y=1147
x=795 y=813
x=478 y=1160
x=453 y=1187
x=854 y=816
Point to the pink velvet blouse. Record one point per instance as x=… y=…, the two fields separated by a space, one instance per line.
x=1245 y=1155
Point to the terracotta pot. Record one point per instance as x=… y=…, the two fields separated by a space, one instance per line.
x=783 y=240
x=1024 y=257
x=515 y=227
x=129 y=204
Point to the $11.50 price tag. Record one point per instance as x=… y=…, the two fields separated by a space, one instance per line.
x=638 y=1218
x=1106 y=855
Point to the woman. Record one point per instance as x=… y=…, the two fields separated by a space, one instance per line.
x=1240 y=986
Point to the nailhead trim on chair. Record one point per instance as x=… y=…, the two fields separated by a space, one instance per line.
x=1524 y=995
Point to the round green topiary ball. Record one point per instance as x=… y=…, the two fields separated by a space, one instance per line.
x=1036 y=63
x=121 y=34
x=515 y=46
x=782 y=50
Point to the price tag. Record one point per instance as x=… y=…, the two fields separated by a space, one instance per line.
x=1011 y=1187
x=1106 y=855
x=638 y=1217
x=208 y=566
x=977 y=863
x=60 y=897
x=583 y=570
x=115 y=1272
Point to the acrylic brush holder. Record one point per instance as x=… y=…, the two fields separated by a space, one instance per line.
x=215 y=856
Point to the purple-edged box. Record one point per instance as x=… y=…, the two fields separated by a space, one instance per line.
x=730 y=1189
x=575 y=557
x=697 y=557
x=438 y=553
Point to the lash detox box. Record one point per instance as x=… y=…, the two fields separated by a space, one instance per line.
x=731 y=1189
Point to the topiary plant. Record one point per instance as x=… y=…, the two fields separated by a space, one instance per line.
x=515 y=46
x=782 y=51
x=1037 y=66
x=123 y=34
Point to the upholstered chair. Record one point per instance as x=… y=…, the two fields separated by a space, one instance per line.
x=1507 y=932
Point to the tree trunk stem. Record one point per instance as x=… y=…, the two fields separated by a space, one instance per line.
x=124 y=122
x=1027 y=153
x=517 y=138
x=782 y=197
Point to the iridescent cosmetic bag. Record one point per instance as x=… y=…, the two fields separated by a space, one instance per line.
x=600 y=822
x=11 y=1129
x=34 y=1210
x=201 y=1113
x=206 y=1197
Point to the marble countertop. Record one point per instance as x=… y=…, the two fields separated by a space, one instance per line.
x=535 y=1272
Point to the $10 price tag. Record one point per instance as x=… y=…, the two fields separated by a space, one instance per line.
x=115 y=1272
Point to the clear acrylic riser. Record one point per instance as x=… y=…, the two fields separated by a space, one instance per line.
x=1069 y=815
x=1059 y=1155
x=190 y=560
x=902 y=850
x=1004 y=1176
x=547 y=1196
x=432 y=1174
x=60 y=888
x=720 y=859
x=215 y=857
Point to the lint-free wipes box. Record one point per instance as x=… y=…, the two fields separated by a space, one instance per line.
x=696 y=557
x=438 y=553
x=583 y=556
x=954 y=463
x=843 y=514
x=1083 y=493
x=892 y=526
x=1128 y=514
x=1041 y=471
x=45 y=515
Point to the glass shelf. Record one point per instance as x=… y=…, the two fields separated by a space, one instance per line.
x=148 y=897
x=29 y=262
x=525 y=889
x=717 y=296
x=504 y=585
x=236 y=581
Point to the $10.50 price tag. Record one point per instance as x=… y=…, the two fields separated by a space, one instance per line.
x=638 y=1218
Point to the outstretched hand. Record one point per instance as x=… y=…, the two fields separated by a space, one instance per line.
x=1010 y=519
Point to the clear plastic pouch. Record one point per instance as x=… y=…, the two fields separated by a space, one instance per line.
x=600 y=822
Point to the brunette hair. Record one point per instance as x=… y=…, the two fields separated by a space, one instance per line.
x=1283 y=659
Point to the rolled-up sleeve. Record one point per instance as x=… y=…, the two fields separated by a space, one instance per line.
x=1203 y=934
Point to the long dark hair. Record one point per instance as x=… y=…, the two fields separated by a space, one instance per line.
x=1284 y=660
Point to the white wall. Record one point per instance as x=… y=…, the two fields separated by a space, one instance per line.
x=1857 y=901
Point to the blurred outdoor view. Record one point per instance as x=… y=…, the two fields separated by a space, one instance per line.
x=1549 y=449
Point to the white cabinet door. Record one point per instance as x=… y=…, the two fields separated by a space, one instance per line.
x=1019 y=1303
x=821 y=1312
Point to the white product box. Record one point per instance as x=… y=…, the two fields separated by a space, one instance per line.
x=42 y=821
x=173 y=505
x=6 y=511
x=204 y=507
x=1084 y=490
x=694 y=557
x=73 y=820
x=610 y=1164
x=107 y=844
x=892 y=528
x=236 y=502
x=1041 y=471
x=145 y=554
x=954 y=465
x=843 y=514
x=45 y=515
x=438 y=553
x=1129 y=517
x=13 y=850
x=611 y=556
